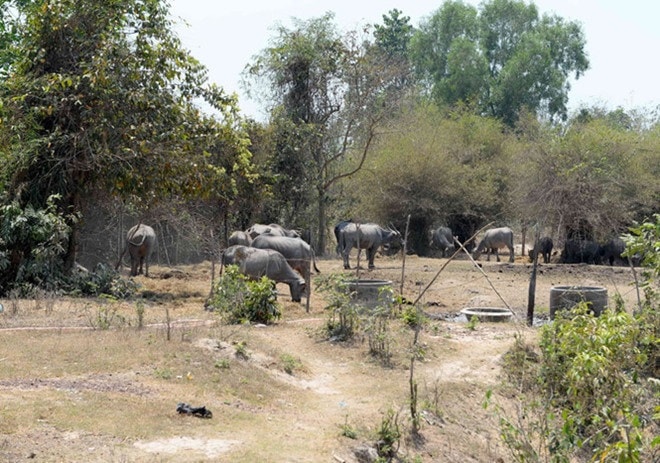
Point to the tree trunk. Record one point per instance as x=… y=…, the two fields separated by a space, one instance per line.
x=320 y=235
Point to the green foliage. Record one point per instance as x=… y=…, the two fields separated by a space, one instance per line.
x=413 y=316
x=101 y=96
x=591 y=369
x=240 y=300
x=501 y=58
x=643 y=244
x=460 y=145
x=32 y=242
x=290 y=363
x=103 y=280
x=389 y=434
x=344 y=317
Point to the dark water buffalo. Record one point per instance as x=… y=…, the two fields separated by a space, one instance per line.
x=611 y=251
x=298 y=253
x=239 y=238
x=257 y=263
x=442 y=239
x=271 y=229
x=140 y=243
x=369 y=236
x=338 y=228
x=493 y=240
x=544 y=246
x=580 y=251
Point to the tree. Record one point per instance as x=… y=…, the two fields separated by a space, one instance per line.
x=593 y=172
x=330 y=95
x=101 y=94
x=456 y=167
x=502 y=58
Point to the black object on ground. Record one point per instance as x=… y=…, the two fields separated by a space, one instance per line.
x=202 y=412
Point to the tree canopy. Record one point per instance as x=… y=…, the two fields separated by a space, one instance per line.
x=500 y=58
x=101 y=95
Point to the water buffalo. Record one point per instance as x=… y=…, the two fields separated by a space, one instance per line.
x=338 y=228
x=611 y=251
x=544 y=246
x=140 y=242
x=229 y=255
x=298 y=253
x=369 y=236
x=580 y=251
x=239 y=237
x=442 y=239
x=493 y=240
x=257 y=263
x=272 y=229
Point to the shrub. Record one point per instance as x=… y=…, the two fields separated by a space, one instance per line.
x=241 y=300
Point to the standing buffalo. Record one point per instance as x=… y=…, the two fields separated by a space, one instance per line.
x=239 y=237
x=442 y=239
x=257 y=263
x=140 y=242
x=611 y=251
x=493 y=240
x=544 y=246
x=367 y=236
x=580 y=251
x=338 y=228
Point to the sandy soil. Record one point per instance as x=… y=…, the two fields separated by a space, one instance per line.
x=300 y=417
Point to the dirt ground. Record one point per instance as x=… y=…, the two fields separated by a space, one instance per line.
x=278 y=393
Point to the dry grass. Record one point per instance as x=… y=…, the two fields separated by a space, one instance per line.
x=72 y=391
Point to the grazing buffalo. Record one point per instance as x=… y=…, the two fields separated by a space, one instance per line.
x=369 y=236
x=580 y=251
x=271 y=229
x=229 y=255
x=544 y=246
x=611 y=251
x=239 y=238
x=140 y=243
x=493 y=240
x=298 y=253
x=257 y=263
x=442 y=239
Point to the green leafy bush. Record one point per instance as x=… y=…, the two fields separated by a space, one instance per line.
x=103 y=280
x=241 y=300
x=32 y=244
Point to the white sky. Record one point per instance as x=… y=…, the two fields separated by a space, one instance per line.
x=623 y=40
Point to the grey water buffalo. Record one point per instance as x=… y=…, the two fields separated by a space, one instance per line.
x=140 y=243
x=338 y=228
x=228 y=256
x=493 y=240
x=544 y=246
x=239 y=237
x=256 y=263
x=442 y=239
x=369 y=236
x=271 y=229
x=580 y=251
x=297 y=252
x=611 y=251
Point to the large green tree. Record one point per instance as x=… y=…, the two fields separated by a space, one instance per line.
x=330 y=94
x=100 y=94
x=500 y=58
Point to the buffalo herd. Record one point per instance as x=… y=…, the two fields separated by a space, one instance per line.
x=298 y=257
